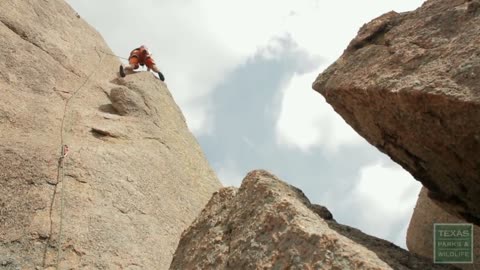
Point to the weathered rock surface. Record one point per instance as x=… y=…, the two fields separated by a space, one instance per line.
x=410 y=84
x=267 y=224
x=130 y=184
x=420 y=229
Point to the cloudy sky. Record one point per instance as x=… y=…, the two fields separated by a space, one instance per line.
x=242 y=72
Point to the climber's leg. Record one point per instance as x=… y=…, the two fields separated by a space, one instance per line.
x=151 y=65
x=132 y=65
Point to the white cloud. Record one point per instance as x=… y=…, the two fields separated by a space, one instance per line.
x=401 y=239
x=386 y=196
x=198 y=120
x=197 y=43
x=306 y=120
x=229 y=174
x=327 y=27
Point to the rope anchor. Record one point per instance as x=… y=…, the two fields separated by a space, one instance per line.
x=63 y=154
x=64 y=151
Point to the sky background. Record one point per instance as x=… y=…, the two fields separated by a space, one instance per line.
x=242 y=71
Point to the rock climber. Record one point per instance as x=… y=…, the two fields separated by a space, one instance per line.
x=141 y=56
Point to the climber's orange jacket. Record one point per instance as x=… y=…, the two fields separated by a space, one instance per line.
x=141 y=56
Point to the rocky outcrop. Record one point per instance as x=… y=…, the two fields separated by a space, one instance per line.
x=133 y=178
x=409 y=83
x=420 y=229
x=267 y=224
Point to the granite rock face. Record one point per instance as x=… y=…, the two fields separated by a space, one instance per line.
x=133 y=178
x=410 y=84
x=268 y=224
x=420 y=229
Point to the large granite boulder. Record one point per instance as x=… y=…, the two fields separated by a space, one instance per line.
x=268 y=224
x=133 y=178
x=410 y=84
x=420 y=229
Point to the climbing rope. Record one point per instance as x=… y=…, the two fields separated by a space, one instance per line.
x=62 y=165
x=114 y=55
x=61 y=169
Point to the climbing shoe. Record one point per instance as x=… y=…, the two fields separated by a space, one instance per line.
x=161 y=77
x=122 y=72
